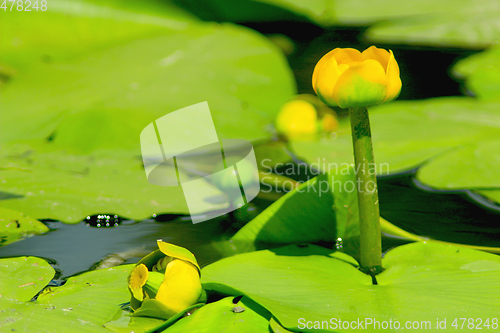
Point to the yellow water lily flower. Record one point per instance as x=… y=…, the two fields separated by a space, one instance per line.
x=165 y=282
x=305 y=116
x=137 y=280
x=349 y=78
x=297 y=117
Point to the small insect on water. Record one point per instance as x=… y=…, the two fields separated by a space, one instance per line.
x=238 y=309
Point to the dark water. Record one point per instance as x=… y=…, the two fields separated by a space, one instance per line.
x=75 y=248
x=453 y=216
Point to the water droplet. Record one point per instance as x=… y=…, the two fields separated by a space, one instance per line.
x=339 y=243
x=103 y=220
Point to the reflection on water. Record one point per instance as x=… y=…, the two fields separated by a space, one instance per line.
x=77 y=248
x=453 y=216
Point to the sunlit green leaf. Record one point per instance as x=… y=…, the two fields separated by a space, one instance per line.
x=320 y=210
x=421 y=282
x=84 y=303
x=225 y=316
x=15 y=225
x=47 y=183
x=106 y=94
x=475 y=166
x=22 y=278
x=409 y=133
x=481 y=72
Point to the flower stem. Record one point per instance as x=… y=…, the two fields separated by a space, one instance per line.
x=369 y=214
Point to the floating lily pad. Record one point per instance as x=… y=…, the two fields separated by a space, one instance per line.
x=123 y=322
x=320 y=210
x=104 y=95
x=225 y=316
x=70 y=28
x=493 y=195
x=23 y=277
x=422 y=282
x=15 y=225
x=48 y=183
x=410 y=133
x=324 y=211
x=481 y=72
x=477 y=28
x=476 y=167
x=442 y=22
x=84 y=303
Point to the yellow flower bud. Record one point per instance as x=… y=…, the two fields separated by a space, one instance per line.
x=304 y=117
x=349 y=78
x=164 y=282
x=297 y=117
x=181 y=286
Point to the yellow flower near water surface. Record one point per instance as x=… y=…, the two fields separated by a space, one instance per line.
x=349 y=78
x=305 y=115
x=164 y=282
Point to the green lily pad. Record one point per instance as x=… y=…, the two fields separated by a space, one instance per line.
x=407 y=134
x=48 y=183
x=15 y=225
x=84 y=303
x=23 y=277
x=123 y=322
x=276 y=327
x=328 y=204
x=478 y=167
x=225 y=316
x=66 y=37
x=103 y=97
x=443 y=22
x=349 y=12
x=470 y=26
x=493 y=195
x=481 y=72
x=422 y=282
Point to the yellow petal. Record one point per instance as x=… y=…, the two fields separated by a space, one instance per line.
x=326 y=81
x=341 y=56
x=362 y=84
x=181 y=286
x=380 y=55
x=326 y=78
x=296 y=117
x=393 y=79
x=319 y=67
x=175 y=251
x=347 y=56
x=137 y=279
x=328 y=70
